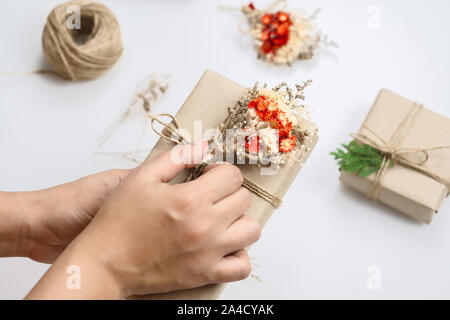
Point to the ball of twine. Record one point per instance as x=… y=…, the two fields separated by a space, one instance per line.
x=88 y=51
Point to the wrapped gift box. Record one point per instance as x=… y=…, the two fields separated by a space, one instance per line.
x=208 y=102
x=410 y=190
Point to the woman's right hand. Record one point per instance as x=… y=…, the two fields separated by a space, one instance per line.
x=152 y=237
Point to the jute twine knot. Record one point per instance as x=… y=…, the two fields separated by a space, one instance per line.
x=101 y=44
x=171 y=131
x=393 y=151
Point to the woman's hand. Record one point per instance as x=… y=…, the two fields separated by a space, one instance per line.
x=40 y=224
x=150 y=236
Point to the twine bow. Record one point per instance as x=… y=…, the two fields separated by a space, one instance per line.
x=171 y=131
x=394 y=153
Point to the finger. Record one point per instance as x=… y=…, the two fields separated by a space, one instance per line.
x=241 y=234
x=233 y=267
x=234 y=206
x=169 y=164
x=219 y=182
x=213 y=165
x=98 y=186
x=110 y=179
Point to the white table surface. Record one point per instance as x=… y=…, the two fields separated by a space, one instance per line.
x=324 y=238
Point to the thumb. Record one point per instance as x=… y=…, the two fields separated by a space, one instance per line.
x=169 y=164
x=106 y=180
x=112 y=178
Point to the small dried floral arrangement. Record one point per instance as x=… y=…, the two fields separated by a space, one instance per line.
x=265 y=125
x=282 y=37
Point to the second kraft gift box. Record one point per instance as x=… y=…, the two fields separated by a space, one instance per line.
x=209 y=102
x=412 y=144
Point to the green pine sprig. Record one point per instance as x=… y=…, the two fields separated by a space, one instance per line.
x=359 y=158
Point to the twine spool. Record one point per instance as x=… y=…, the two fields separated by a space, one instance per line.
x=84 y=53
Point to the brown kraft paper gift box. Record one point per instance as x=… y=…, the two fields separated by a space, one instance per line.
x=408 y=190
x=208 y=102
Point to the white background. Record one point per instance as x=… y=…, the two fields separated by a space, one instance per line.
x=325 y=236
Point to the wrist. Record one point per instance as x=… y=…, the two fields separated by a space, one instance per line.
x=16 y=211
x=101 y=256
x=76 y=274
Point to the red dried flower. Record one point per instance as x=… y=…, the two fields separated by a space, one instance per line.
x=266 y=19
x=287 y=144
x=282 y=16
x=275 y=33
x=267 y=110
x=283 y=29
x=265 y=35
x=252 y=104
